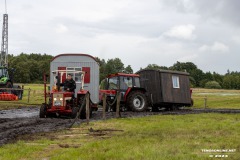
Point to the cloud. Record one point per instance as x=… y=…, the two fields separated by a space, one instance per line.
x=61 y=28
x=216 y=47
x=181 y=32
x=188 y=58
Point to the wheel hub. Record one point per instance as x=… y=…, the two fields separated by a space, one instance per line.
x=138 y=102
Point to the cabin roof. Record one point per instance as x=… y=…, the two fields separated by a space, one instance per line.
x=164 y=71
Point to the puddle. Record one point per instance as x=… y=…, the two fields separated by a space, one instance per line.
x=19 y=113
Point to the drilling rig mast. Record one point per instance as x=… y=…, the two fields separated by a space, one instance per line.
x=6 y=81
x=4 y=46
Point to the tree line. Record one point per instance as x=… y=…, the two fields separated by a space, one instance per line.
x=29 y=68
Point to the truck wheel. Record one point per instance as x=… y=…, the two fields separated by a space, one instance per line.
x=19 y=95
x=43 y=111
x=9 y=85
x=137 y=101
x=74 y=112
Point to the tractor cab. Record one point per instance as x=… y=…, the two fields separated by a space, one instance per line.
x=122 y=82
x=128 y=85
x=4 y=77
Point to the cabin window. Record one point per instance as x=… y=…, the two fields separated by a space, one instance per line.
x=125 y=82
x=75 y=76
x=175 y=80
x=137 y=82
x=113 y=83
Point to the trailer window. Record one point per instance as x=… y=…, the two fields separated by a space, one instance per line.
x=76 y=76
x=175 y=80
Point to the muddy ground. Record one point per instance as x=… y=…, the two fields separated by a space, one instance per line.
x=17 y=122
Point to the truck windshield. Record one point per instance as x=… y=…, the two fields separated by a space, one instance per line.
x=3 y=72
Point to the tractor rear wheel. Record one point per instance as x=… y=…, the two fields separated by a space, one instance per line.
x=74 y=112
x=43 y=111
x=137 y=101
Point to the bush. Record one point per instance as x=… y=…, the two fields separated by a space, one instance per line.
x=212 y=85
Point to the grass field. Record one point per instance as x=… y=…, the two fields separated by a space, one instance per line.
x=163 y=137
x=216 y=98
x=36 y=97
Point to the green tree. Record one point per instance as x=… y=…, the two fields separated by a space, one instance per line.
x=114 y=66
x=155 y=66
x=212 y=85
x=128 y=70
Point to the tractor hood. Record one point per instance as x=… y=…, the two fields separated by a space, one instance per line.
x=3 y=80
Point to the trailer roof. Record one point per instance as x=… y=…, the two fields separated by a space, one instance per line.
x=123 y=74
x=73 y=54
x=164 y=71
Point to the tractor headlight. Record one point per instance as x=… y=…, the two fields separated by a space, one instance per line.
x=54 y=99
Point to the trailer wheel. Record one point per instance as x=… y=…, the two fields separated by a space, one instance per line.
x=137 y=101
x=43 y=111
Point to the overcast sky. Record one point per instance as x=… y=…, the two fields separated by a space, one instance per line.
x=139 y=32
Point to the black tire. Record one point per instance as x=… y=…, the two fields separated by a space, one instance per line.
x=74 y=112
x=192 y=102
x=83 y=112
x=155 y=109
x=19 y=95
x=43 y=111
x=137 y=101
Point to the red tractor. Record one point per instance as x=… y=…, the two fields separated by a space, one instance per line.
x=133 y=97
x=64 y=103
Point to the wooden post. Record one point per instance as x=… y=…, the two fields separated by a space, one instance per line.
x=87 y=108
x=104 y=106
x=205 y=102
x=118 y=105
x=29 y=90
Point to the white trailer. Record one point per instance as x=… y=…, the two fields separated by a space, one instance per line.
x=78 y=62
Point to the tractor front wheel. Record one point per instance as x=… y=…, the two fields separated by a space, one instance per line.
x=43 y=111
x=137 y=101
